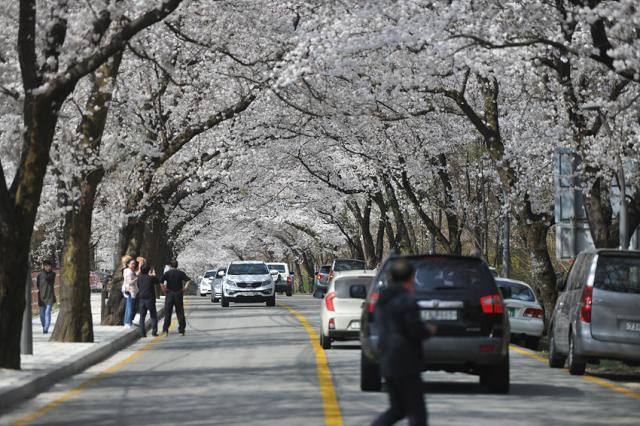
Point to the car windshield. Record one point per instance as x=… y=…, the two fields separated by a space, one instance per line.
x=324 y=269
x=248 y=269
x=619 y=274
x=518 y=291
x=343 y=285
x=441 y=273
x=349 y=265
x=276 y=267
x=209 y=274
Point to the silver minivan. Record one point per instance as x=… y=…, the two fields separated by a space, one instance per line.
x=597 y=315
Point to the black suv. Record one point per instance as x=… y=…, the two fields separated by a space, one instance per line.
x=460 y=296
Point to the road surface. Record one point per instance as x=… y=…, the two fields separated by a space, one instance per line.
x=254 y=365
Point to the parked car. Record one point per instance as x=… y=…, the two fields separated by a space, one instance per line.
x=216 y=292
x=526 y=316
x=460 y=296
x=205 y=285
x=342 y=306
x=341 y=265
x=282 y=277
x=95 y=281
x=247 y=282
x=597 y=315
x=321 y=280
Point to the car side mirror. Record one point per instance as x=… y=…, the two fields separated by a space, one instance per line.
x=358 y=291
x=506 y=292
x=274 y=272
x=221 y=274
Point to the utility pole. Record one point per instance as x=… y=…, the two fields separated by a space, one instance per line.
x=26 y=338
x=506 y=244
x=624 y=239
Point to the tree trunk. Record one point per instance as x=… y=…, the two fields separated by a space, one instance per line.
x=543 y=277
x=402 y=235
x=600 y=216
x=129 y=243
x=75 y=323
x=18 y=208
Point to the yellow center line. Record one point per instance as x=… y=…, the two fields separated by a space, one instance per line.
x=72 y=393
x=332 y=415
x=597 y=380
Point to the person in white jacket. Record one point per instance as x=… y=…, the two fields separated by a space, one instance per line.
x=129 y=290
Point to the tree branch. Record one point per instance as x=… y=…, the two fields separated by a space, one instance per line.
x=65 y=81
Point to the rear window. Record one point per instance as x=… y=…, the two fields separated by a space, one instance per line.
x=324 y=269
x=619 y=274
x=348 y=265
x=279 y=268
x=443 y=273
x=248 y=269
x=209 y=274
x=518 y=291
x=342 y=285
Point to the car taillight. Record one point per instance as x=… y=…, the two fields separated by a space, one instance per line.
x=532 y=313
x=371 y=305
x=318 y=277
x=492 y=304
x=585 y=303
x=332 y=324
x=328 y=300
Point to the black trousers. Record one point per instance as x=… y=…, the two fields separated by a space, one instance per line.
x=174 y=299
x=150 y=305
x=405 y=396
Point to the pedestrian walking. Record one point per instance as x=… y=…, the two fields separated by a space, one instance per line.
x=46 y=294
x=129 y=290
x=173 y=287
x=401 y=359
x=147 y=299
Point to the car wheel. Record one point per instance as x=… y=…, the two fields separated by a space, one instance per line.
x=224 y=302
x=325 y=342
x=576 y=365
x=370 y=379
x=497 y=377
x=271 y=301
x=556 y=360
x=289 y=292
x=532 y=342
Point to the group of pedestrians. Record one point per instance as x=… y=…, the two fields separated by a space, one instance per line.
x=139 y=289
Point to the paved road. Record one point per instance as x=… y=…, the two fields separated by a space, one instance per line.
x=253 y=365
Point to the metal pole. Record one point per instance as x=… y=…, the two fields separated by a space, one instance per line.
x=506 y=248
x=26 y=338
x=624 y=239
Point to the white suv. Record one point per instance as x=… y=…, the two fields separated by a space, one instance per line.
x=249 y=282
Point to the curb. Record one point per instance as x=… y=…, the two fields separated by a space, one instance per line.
x=75 y=365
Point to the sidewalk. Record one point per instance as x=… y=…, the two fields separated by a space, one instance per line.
x=53 y=361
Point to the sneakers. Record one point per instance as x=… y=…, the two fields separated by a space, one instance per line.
x=182 y=333
x=127 y=326
x=166 y=333
x=154 y=334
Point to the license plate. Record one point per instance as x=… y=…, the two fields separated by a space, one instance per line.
x=439 y=315
x=632 y=326
x=355 y=325
x=511 y=312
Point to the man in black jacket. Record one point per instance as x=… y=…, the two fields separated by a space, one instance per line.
x=147 y=297
x=401 y=359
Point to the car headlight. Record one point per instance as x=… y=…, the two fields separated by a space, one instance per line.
x=266 y=282
x=231 y=283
